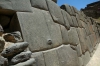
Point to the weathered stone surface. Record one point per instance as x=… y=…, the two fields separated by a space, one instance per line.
x=82 y=39
x=55 y=12
x=70 y=20
x=80 y=61
x=3 y=61
x=67 y=56
x=74 y=21
x=86 y=58
x=54 y=30
x=65 y=37
x=79 y=50
x=17 y=36
x=39 y=4
x=51 y=58
x=23 y=5
x=73 y=36
x=65 y=19
x=72 y=10
x=85 y=26
x=67 y=8
x=23 y=56
x=89 y=44
x=39 y=58
x=1 y=30
x=4 y=20
x=34 y=29
x=29 y=62
x=14 y=49
x=78 y=20
x=2 y=44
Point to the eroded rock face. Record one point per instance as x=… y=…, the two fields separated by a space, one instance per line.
x=3 y=61
x=2 y=44
x=14 y=49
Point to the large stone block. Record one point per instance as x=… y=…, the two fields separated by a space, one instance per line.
x=17 y=5
x=54 y=30
x=55 y=1
x=67 y=8
x=67 y=56
x=86 y=58
x=39 y=58
x=55 y=12
x=64 y=13
x=39 y=4
x=3 y=61
x=51 y=58
x=89 y=44
x=73 y=36
x=82 y=39
x=42 y=32
x=74 y=21
x=65 y=37
x=79 y=50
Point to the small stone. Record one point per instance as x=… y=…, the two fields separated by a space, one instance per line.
x=17 y=36
x=9 y=38
x=21 y=57
x=2 y=43
x=14 y=49
x=3 y=61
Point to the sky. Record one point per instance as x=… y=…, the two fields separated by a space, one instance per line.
x=76 y=3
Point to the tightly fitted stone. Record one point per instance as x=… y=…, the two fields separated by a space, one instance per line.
x=55 y=1
x=3 y=61
x=21 y=57
x=2 y=44
x=55 y=12
x=17 y=5
x=39 y=4
x=14 y=49
x=29 y=62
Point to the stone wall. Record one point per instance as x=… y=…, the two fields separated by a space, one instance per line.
x=57 y=36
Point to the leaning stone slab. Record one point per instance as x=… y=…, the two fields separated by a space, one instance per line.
x=64 y=13
x=21 y=57
x=67 y=56
x=74 y=21
x=3 y=61
x=55 y=12
x=39 y=4
x=30 y=62
x=14 y=49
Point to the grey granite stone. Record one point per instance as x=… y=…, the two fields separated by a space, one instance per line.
x=64 y=13
x=73 y=36
x=51 y=58
x=14 y=49
x=55 y=12
x=82 y=38
x=3 y=61
x=54 y=30
x=79 y=50
x=23 y=56
x=39 y=4
x=39 y=58
x=67 y=56
x=65 y=37
x=74 y=21
x=30 y=62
